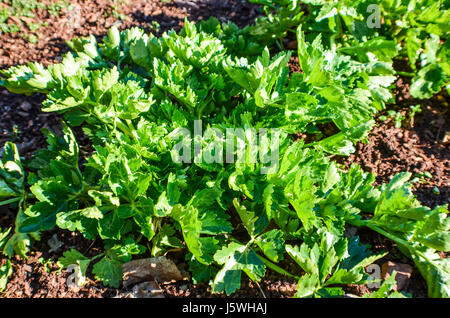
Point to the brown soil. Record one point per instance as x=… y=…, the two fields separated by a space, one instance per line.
x=22 y=118
x=33 y=279
x=22 y=121
x=266 y=288
x=294 y=65
x=420 y=145
x=97 y=16
x=417 y=146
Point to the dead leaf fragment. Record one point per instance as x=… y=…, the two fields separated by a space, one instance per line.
x=446 y=138
x=159 y=268
x=404 y=272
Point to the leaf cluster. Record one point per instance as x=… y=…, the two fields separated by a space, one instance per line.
x=135 y=94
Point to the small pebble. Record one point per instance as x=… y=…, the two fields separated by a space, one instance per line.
x=27 y=268
x=26 y=106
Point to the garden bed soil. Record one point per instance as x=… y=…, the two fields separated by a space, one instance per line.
x=418 y=146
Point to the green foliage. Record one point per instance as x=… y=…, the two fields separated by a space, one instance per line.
x=418 y=30
x=134 y=95
x=330 y=261
x=281 y=17
x=5 y=271
x=11 y=174
x=75 y=258
x=16 y=14
x=386 y=289
x=108 y=270
x=420 y=232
